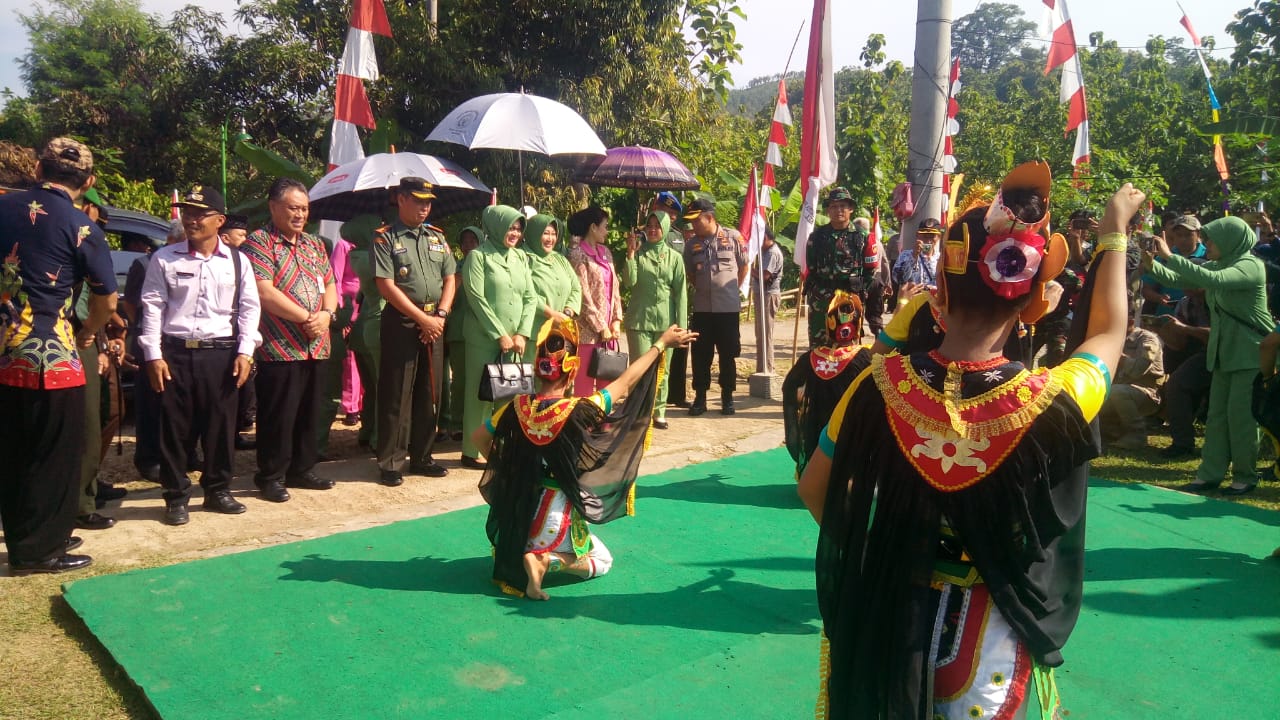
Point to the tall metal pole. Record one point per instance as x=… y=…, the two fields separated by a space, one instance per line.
x=929 y=88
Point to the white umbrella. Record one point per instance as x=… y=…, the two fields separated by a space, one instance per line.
x=360 y=186
x=517 y=121
x=520 y=122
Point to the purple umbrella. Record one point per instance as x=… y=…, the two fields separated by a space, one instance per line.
x=637 y=167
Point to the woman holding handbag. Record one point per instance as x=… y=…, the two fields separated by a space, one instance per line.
x=501 y=305
x=655 y=275
x=601 y=320
x=555 y=283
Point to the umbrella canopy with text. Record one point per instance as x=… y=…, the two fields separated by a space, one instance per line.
x=361 y=186
x=518 y=121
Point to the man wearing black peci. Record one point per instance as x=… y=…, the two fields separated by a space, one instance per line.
x=200 y=329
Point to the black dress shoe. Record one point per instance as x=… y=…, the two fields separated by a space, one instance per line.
x=274 y=491
x=309 y=481
x=176 y=514
x=73 y=542
x=473 y=463
x=1232 y=490
x=660 y=423
x=150 y=473
x=390 y=478
x=697 y=409
x=108 y=493
x=60 y=564
x=1198 y=486
x=244 y=443
x=94 y=521
x=726 y=405
x=430 y=468
x=222 y=502
x=351 y=420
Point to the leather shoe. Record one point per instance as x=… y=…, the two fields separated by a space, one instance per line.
x=60 y=564
x=430 y=468
x=309 y=481
x=1232 y=490
x=176 y=514
x=150 y=473
x=660 y=423
x=473 y=463
x=697 y=408
x=390 y=478
x=1198 y=486
x=244 y=443
x=73 y=542
x=274 y=491
x=726 y=405
x=222 y=502
x=351 y=420
x=94 y=521
x=107 y=493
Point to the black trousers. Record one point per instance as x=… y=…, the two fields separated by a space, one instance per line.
x=42 y=436
x=406 y=394
x=288 y=410
x=247 y=403
x=677 y=376
x=146 y=420
x=199 y=402
x=1184 y=392
x=717 y=334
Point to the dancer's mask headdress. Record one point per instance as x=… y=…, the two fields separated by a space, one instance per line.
x=844 y=318
x=557 y=350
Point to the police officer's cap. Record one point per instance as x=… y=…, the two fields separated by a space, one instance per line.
x=418 y=188
x=697 y=207
x=929 y=226
x=203 y=197
x=236 y=222
x=838 y=194
x=667 y=201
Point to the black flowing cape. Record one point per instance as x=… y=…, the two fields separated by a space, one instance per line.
x=1022 y=526
x=804 y=418
x=594 y=459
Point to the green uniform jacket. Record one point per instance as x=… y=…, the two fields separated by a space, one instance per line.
x=1236 y=283
x=416 y=259
x=658 y=297
x=499 y=290
x=364 y=333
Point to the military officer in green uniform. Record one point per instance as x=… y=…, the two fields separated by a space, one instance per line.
x=414 y=271
x=840 y=256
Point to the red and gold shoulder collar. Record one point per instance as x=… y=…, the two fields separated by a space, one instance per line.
x=542 y=425
x=955 y=442
x=828 y=362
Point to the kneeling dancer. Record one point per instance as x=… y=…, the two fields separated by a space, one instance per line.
x=559 y=462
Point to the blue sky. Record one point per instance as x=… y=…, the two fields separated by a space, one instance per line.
x=770 y=28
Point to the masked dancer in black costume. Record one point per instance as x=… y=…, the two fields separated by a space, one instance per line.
x=559 y=462
x=950 y=485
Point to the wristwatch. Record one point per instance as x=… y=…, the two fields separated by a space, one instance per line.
x=441 y=313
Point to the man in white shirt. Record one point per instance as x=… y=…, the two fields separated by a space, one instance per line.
x=200 y=314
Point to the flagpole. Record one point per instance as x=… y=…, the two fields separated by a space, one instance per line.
x=930 y=86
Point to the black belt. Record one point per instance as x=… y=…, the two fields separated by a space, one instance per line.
x=213 y=344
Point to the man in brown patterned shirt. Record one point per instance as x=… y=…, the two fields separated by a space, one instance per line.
x=299 y=299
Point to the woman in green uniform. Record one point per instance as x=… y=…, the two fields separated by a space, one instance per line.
x=655 y=274
x=365 y=338
x=501 y=303
x=1235 y=284
x=455 y=341
x=559 y=294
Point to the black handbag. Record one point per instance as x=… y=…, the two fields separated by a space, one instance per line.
x=608 y=363
x=502 y=380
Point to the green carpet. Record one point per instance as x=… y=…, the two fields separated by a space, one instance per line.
x=709 y=612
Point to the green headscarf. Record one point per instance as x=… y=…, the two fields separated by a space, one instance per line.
x=476 y=230
x=533 y=229
x=497 y=219
x=664 y=222
x=1233 y=238
x=360 y=230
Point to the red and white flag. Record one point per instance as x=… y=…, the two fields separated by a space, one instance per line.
x=1062 y=54
x=953 y=129
x=871 y=254
x=351 y=107
x=778 y=129
x=818 y=131
x=173 y=206
x=752 y=224
x=767 y=184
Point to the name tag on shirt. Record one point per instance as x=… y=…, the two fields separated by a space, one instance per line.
x=399 y=249
x=436 y=247
x=185 y=275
